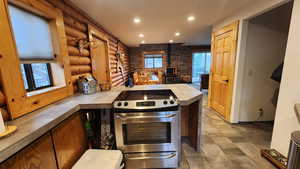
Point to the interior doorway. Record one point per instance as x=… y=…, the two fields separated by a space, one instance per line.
x=264 y=52
x=201 y=68
x=224 y=43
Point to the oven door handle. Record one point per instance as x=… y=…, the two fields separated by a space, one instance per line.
x=119 y=116
x=168 y=156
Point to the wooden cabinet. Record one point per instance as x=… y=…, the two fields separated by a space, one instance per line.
x=38 y=155
x=58 y=149
x=70 y=141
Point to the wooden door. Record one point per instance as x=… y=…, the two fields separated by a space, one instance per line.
x=101 y=60
x=38 y=155
x=224 y=44
x=99 y=54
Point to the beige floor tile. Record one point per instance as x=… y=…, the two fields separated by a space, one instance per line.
x=197 y=162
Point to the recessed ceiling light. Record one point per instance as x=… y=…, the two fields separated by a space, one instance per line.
x=177 y=33
x=142 y=42
x=141 y=35
x=191 y=18
x=136 y=20
x=171 y=41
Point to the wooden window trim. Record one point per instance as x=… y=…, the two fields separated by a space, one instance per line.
x=164 y=62
x=16 y=97
x=94 y=32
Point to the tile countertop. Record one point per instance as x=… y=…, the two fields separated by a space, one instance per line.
x=37 y=123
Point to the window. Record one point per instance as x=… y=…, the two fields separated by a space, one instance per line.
x=34 y=45
x=153 y=61
x=36 y=76
x=34 y=33
x=201 y=65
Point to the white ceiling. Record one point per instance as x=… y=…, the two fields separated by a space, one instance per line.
x=160 y=19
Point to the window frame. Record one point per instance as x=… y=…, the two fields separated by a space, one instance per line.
x=163 y=57
x=18 y=101
x=206 y=52
x=30 y=77
x=153 y=57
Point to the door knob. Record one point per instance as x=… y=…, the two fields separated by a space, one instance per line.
x=226 y=81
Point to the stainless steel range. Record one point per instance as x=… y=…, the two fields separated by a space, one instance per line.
x=147 y=128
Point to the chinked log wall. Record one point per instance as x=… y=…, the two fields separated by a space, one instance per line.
x=76 y=27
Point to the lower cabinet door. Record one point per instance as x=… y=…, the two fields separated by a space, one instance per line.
x=69 y=141
x=38 y=155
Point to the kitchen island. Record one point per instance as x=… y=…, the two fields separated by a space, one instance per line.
x=38 y=123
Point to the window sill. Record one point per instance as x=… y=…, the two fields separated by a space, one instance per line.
x=41 y=91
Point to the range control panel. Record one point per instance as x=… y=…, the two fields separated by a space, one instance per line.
x=145 y=104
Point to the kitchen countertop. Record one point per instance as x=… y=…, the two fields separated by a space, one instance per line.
x=37 y=123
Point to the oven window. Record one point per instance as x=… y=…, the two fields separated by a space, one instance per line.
x=147 y=133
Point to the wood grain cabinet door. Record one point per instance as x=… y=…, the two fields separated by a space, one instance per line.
x=70 y=141
x=38 y=155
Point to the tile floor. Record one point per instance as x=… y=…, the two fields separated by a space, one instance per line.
x=228 y=146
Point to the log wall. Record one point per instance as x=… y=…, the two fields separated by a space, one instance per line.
x=116 y=76
x=76 y=27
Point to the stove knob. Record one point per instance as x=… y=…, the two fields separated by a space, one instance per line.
x=125 y=103
x=172 y=102
x=119 y=104
x=165 y=102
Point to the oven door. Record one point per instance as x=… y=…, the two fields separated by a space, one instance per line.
x=147 y=131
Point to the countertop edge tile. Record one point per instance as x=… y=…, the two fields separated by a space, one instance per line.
x=66 y=107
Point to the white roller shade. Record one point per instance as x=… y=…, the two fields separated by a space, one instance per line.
x=32 y=35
